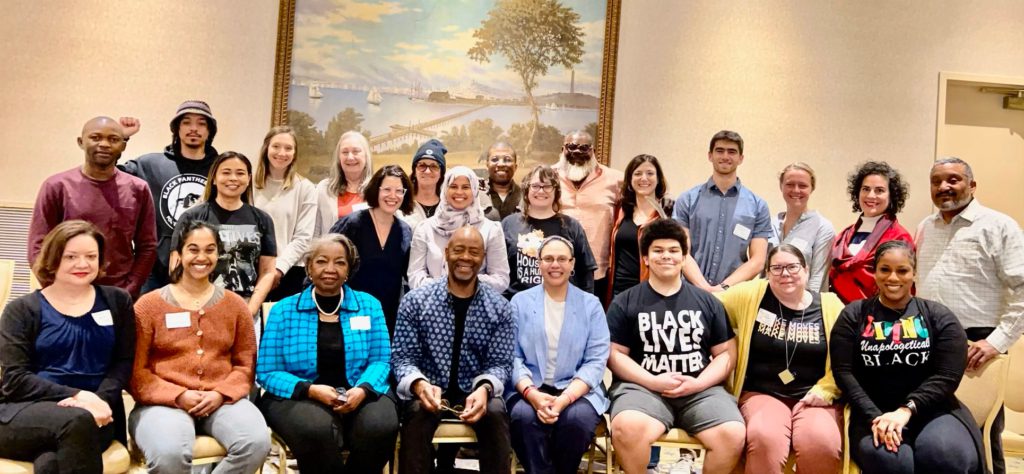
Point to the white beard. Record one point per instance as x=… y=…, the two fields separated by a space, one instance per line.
x=577 y=172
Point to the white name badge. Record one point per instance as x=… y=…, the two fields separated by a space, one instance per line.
x=360 y=206
x=360 y=323
x=741 y=231
x=766 y=318
x=103 y=318
x=178 y=320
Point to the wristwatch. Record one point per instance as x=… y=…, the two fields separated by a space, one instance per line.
x=911 y=406
x=488 y=387
x=724 y=286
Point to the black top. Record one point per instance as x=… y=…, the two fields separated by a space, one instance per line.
x=882 y=358
x=330 y=355
x=429 y=210
x=523 y=236
x=383 y=268
x=21 y=386
x=627 y=256
x=247 y=233
x=460 y=306
x=668 y=333
x=798 y=336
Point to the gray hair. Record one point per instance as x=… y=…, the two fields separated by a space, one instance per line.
x=337 y=183
x=952 y=160
x=351 y=254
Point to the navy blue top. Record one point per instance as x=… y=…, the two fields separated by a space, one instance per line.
x=75 y=351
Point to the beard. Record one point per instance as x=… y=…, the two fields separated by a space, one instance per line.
x=576 y=172
x=955 y=203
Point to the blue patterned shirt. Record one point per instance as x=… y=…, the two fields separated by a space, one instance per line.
x=425 y=333
x=288 y=350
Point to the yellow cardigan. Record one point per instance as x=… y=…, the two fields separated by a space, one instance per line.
x=742 y=302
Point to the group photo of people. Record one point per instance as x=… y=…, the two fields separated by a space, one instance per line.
x=539 y=306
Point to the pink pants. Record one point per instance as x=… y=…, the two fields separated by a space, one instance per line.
x=773 y=425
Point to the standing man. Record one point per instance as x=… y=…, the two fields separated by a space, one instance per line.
x=506 y=196
x=117 y=203
x=177 y=177
x=728 y=225
x=971 y=259
x=452 y=353
x=590 y=191
x=672 y=349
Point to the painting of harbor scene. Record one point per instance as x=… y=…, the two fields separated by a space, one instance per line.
x=465 y=72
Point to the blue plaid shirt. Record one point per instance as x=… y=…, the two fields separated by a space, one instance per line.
x=288 y=350
x=425 y=332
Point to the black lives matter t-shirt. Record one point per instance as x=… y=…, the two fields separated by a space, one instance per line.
x=798 y=336
x=668 y=333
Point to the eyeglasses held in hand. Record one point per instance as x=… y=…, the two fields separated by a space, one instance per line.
x=792 y=268
x=457 y=409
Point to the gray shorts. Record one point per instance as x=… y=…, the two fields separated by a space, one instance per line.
x=692 y=413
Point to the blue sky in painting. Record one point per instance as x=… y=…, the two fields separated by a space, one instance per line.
x=399 y=44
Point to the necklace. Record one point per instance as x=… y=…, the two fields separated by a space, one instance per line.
x=196 y=300
x=321 y=310
x=786 y=376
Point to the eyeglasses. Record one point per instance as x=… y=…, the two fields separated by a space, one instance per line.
x=457 y=409
x=792 y=268
x=503 y=160
x=400 y=192
x=582 y=147
x=562 y=259
x=427 y=167
x=541 y=187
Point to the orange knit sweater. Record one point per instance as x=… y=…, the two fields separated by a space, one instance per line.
x=216 y=352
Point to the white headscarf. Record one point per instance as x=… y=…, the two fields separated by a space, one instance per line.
x=449 y=219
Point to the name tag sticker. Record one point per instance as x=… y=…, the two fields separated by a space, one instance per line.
x=766 y=318
x=178 y=320
x=800 y=244
x=103 y=318
x=741 y=231
x=360 y=323
x=360 y=206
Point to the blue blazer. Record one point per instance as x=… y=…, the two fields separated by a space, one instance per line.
x=583 y=345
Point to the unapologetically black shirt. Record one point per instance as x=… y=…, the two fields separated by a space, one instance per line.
x=796 y=335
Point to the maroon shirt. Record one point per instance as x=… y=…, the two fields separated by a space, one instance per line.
x=122 y=209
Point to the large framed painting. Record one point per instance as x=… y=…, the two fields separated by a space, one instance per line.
x=467 y=73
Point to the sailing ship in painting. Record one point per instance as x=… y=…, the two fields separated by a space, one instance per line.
x=374 y=97
x=314 y=92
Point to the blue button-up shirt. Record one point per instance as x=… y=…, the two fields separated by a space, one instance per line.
x=722 y=226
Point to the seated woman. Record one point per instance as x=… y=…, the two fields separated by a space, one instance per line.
x=66 y=353
x=899 y=360
x=194 y=361
x=541 y=218
x=560 y=356
x=783 y=380
x=460 y=206
x=878 y=192
x=324 y=362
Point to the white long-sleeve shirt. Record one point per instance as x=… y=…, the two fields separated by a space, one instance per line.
x=427 y=262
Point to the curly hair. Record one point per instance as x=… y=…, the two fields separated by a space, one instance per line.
x=899 y=190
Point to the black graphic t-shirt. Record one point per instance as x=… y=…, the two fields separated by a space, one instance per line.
x=523 y=236
x=247 y=233
x=798 y=336
x=668 y=333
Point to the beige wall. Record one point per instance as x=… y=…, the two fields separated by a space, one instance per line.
x=65 y=62
x=827 y=82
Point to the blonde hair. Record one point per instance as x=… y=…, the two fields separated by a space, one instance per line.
x=337 y=183
x=799 y=166
x=259 y=180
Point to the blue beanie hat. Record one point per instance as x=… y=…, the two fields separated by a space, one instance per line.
x=433 y=149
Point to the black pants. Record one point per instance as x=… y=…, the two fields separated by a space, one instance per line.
x=291 y=283
x=56 y=439
x=998 y=463
x=316 y=435
x=416 y=452
x=939 y=445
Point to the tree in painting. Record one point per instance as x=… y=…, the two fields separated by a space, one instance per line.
x=532 y=35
